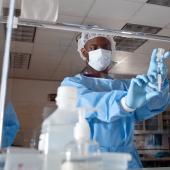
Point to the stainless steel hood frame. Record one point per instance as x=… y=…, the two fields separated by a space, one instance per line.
x=93 y=29
x=55 y=26
x=5 y=67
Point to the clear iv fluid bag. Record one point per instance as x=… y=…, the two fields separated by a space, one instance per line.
x=1 y=4
x=43 y=10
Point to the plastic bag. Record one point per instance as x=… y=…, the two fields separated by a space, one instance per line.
x=43 y=10
x=1 y=4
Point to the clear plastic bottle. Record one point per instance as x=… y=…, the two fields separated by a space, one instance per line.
x=82 y=153
x=57 y=129
x=47 y=110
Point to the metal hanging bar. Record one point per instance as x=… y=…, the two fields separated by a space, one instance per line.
x=55 y=26
x=93 y=29
x=5 y=67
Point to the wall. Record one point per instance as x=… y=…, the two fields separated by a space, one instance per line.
x=29 y=97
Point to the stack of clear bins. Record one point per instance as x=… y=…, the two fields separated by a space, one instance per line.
x=86 y=156
x=115 y=161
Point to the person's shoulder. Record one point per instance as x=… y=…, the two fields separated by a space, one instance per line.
x=67 y=80
x=71 y=78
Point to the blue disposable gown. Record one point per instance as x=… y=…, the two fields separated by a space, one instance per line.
x=111 y=126
x=10 y=126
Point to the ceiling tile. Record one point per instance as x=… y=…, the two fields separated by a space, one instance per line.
x=53 y=37
x=24 y=47
x=39 y=69
x=165 y=32
x=19 y=73
x=43 y=69
x=119 y=56
x=71 y=64
x=61 y=75
x=132 y=65
x=69 y=19
x=168 y=26
x=129 y=69
x=137 y=0
x=149 y=15
x=66 y=73
x=75 y=7
x=137 y=59
x=106 y=23
x=45 y=59
x=114 y=9
x=44 y=52
x=150 y=45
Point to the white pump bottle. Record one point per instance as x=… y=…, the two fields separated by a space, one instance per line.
x=57 y=129
x=82 y=153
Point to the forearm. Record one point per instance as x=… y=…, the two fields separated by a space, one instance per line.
x=105 y=106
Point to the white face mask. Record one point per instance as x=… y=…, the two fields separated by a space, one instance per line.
x=100 y=59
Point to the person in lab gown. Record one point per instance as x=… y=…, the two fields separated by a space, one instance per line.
x=118 y=103
x=10 y=126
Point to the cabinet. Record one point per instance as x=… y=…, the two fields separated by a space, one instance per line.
x=152 y=139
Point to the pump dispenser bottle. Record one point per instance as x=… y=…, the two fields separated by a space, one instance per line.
x=57 y=129
x=82 y=153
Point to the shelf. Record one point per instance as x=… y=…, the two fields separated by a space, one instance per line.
x=152 y=149
x=152 y=136
x=166 y=117
x=147 y=132
x=155 y=159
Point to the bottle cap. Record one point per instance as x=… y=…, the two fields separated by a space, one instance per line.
x=66 y=96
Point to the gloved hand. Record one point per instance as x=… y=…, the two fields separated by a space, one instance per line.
x=153 y=70
x=137 y=96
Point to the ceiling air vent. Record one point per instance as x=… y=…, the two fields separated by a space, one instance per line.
x=20 y=60
x=17 y=12
x=159 y=2
x=131 y=44
x=23 y=34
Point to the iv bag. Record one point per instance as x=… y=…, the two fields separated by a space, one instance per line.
x=1 y=7
x=42 y=10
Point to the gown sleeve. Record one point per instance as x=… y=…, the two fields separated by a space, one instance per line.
x=10 y=126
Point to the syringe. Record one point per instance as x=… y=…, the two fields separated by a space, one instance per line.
x=159 y=55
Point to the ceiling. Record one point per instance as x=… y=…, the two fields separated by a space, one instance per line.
x=53 y=53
